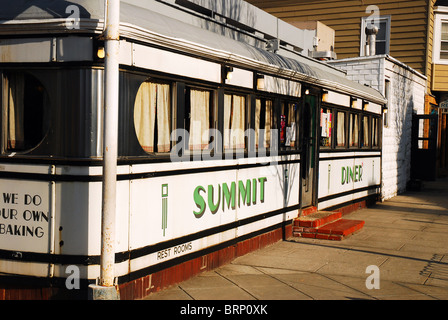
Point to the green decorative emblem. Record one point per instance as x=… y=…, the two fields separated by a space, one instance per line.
x=164 y=208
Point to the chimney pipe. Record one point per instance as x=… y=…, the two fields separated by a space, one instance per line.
x=371 y=32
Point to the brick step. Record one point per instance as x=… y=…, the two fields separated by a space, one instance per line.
x=317 y=219
x=336 y=230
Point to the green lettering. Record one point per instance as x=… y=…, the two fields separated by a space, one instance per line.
x=343 y=175
x=350 y=174
x=254 y=191
x=262 y=182
x=211 y=204
x=228 y=196
x=356 y=174
x=360 y=173
x=200 y=202
x=244 y=191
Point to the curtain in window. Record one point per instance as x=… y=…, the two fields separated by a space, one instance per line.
x=266 y=139
x=199 y=119
x=151 y=104
x=341 y=129
x=14 y=103
x=354 y=130
x=291 y=136
x=163 y=118
x=257 y=121
x=145 y=115
x=365 y=131
x=234 y=119
x=375 y=133
x=268 y=124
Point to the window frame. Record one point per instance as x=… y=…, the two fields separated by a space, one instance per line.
x=172 y=111
x=332 y=112
x=441 y=17
x=284 y=104
x=363 y=41
x=346 y=139
x=263 y=99
x=213 y=116
x=45 y=110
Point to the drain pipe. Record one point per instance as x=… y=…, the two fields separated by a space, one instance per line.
x=106 y=289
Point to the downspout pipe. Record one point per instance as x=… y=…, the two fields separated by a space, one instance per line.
x=106 y=288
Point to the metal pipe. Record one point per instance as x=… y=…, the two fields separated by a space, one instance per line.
x=110 y=148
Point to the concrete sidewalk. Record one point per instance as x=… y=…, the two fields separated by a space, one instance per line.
x=405 y=237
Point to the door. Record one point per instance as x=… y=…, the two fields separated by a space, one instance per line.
x=309 y=152
x=424 y=147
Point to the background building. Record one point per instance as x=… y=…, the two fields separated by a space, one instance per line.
x=413 y=32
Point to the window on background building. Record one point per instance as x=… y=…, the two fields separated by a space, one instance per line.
x=326 y=123
x=152 y=117
x=444 y=42
x=24 y=102
x=263 y=121
x=234 y=122
x=354 y=130
x=382 y=38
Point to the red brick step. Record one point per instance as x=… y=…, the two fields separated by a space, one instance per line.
x=325 y=225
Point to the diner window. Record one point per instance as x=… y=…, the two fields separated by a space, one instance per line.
x=201 y=115
x=326 y=122
x=365 y=137
x=340 y=132
x=354 y=130
x=288 y=125
x=234 y=122
x=263 y=123
x=152 y=117
x=375 y=132
x=24 y=101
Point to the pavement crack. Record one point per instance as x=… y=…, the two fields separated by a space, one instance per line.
x=285 y=283
x=236 y=284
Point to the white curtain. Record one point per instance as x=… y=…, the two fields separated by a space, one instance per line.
x=234 y=121
x=366 y=131
x=267 y=127
x=153 y=102
x=199 y=120
x=145 y=115
x=354 y=130
x=163 y=118
x=14 y=99
x=341 y=129
x=268 y=124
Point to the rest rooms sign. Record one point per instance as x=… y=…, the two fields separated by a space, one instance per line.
x=24 y=216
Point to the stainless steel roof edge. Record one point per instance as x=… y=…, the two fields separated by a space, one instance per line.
x=42 y=26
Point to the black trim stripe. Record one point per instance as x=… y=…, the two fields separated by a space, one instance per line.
x=349 y=157
x=347 y=193
x=134 y=176
x=137 y=253
x=60 y=282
